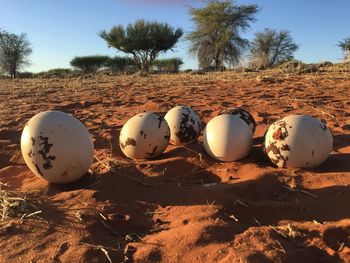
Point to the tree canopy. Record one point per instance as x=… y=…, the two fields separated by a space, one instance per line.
x=271 y=47
x=345 y=46
x=216 y=39
x=14 y=52
x=89 y=64
x=143 y=40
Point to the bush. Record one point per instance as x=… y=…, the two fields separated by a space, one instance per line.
x=25 y=75
x=325 y=64
x=296 y=66
x=54 y=73
x=89 y=64
x=121 y=64
x=170 y=65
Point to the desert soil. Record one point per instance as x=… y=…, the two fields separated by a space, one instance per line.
x=182 y=206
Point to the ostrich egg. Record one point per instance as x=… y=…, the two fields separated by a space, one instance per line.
x=144 y=136
x=298 y=141
x=227 y=138
x=57 y=147
x=184 y=123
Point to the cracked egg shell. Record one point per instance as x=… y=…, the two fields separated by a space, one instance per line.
x=243 y=114
x=227 y=138
x=144 y=136
x=298 y=141
x=57 y=147
x=184 y=123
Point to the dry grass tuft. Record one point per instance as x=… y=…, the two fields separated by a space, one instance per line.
x=14 y=205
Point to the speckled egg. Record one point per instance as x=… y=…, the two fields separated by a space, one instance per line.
x=227 y=138
x=57 y=147
x=184 y=123
x=144 y=136
x=298 y=141
x=243 y=114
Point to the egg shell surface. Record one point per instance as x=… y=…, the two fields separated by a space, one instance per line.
x=227 y=138
x=184 y=123
x=57 y=147
x=298 y=141
x=243 y=114
x=144 y=136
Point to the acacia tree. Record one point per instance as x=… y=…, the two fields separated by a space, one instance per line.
x=14 y=52
x=143 y=40
x=216 y=39
x=89 y=64
x=345 y=46
x=270 y=48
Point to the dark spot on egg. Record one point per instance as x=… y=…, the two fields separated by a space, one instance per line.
x=160 y=120
x=285 y=147
x=30 y=154
x=323 y=127
x=277 y=154
x=281 y=133
x=187 y=131
x=129 y=141
x=242 y=114
x=38 y=170
x=44 y=151
x=153 y=151
x=64 y=174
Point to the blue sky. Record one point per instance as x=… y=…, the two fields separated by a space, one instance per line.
x=62 y=29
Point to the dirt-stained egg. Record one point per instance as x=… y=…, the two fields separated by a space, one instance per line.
x=227 y=138
x=184 y=123
x=57 y=147
x=243 y=114
x=144 y=136
x=298 y=141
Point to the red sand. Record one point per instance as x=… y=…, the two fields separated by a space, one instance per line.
x=182 y=206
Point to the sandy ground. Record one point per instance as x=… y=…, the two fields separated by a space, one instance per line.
x=182 y=206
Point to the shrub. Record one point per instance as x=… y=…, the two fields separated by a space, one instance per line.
x=54 y=73
x=89 y=64
x=25 y=75
x=170 y=65
x=121 y=64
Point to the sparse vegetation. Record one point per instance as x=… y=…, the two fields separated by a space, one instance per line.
x=216 y=39
x=345 y=46
x=89 y=64
x=271 y=47
x=170 y=65
x=56 y=72
x=143 y=40
x=121 y=64
x=14 y=52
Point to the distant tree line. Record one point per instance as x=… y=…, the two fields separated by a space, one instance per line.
x=216 y=41
x=93 y=64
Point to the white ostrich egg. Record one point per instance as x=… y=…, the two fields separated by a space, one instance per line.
x=184 y=123
x=243 y=114
x=227 y=138
x=57 y=147
x=144 y=136
x=298 y=141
